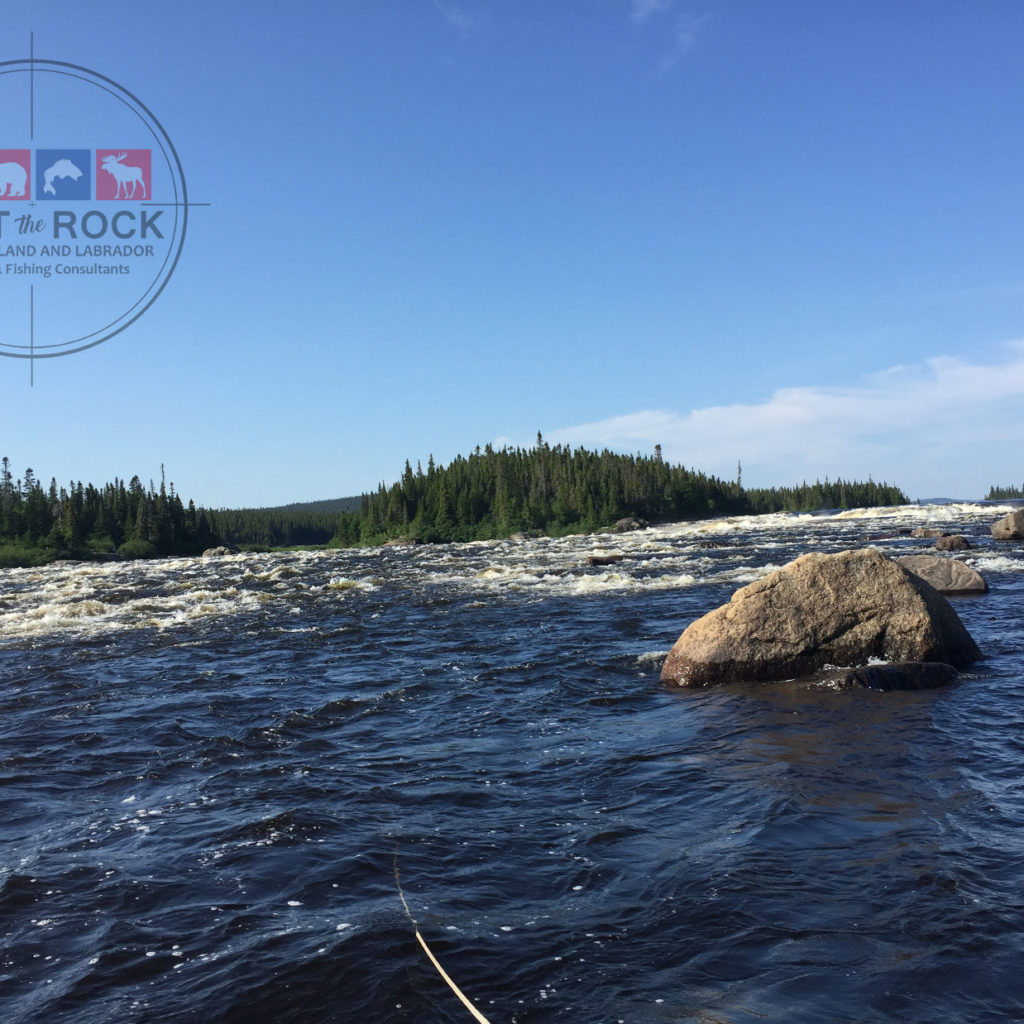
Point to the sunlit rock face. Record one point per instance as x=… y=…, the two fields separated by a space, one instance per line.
x=946 y=575
x=1010 y=527
x=820 y=610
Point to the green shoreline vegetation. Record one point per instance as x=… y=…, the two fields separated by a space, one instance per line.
x=496 y=493
x=492 y=494
x=997 y=493
x=40 y=525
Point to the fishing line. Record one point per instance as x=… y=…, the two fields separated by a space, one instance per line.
x=433 y=959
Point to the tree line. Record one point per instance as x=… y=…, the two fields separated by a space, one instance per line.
x=311 y=523
x=558 y=490
x=39 y=524
x=492 y=493
x=838 y=493
x=996 y=493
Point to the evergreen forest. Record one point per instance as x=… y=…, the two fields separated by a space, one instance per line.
x=558 y=490
x=309 y=523
x=996 y=493
x=492 y=493
x=39 y=524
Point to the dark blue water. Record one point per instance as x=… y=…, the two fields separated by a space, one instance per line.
x=209 y=771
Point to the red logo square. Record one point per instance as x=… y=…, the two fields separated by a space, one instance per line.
x=15 y=174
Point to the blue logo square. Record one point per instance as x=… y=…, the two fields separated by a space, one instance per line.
x=63 y=174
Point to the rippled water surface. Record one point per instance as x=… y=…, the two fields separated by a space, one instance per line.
x=210 y=769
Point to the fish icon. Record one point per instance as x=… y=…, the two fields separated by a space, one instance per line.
x=61 y=169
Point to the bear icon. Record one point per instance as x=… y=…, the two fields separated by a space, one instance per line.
x=12 y=179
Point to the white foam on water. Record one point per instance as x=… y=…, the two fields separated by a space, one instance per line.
x=744 y=573
x=926 y=515
x=993 y=561
x=97 y=598
x=494 y=572
x=598 y=583
x=670 y=581
x=651 y=657
x=346 y=583
x=100 y=598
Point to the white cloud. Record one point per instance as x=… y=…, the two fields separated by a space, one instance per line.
x=641 y=10
x=942 y=428
x=686 y=31
x=456 y=16
x=683 y=31
x=684 y=34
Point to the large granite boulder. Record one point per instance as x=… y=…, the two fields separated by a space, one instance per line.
x=953 y=542
x=821 y=610
x=1010 y=527
x=946 y=575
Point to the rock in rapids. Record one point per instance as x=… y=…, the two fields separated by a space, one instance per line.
x=1010 y=527
x=947 y=575
x=818 y=611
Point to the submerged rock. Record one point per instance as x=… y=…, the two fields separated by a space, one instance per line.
x=821 y=610
x=603 y=559
x=223 y=549
x=1010 y=527
x=906 y=675
x=946 y=575
x=953 y=542
x=629 y=524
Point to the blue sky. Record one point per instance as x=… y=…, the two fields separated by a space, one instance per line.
x=786 y=233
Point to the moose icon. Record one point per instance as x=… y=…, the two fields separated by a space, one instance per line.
x=125 y=175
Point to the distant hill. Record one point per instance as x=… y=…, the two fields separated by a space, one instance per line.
x=329 y=506
x=302 y=522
